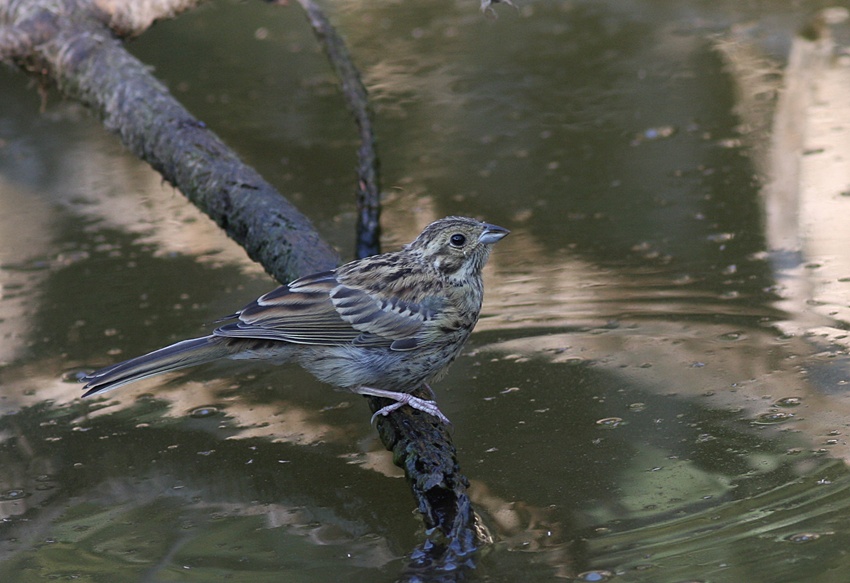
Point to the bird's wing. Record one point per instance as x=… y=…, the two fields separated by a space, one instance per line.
x=320 y=310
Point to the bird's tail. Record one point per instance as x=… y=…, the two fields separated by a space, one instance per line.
x=174 y=357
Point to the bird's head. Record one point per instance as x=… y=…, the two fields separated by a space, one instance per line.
x=456 y=246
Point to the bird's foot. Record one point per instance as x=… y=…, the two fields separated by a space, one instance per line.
x=401 y=399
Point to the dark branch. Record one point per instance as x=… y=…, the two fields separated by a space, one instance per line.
x=420 y=446
x=89 y=64
x=19 y=41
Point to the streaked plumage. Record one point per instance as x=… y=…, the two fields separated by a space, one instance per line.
x=382 y=326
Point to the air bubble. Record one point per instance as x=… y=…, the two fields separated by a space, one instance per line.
x=773 y=417
x=595 y=575
x=803 y=537
x=13 y=494
x=204 y=412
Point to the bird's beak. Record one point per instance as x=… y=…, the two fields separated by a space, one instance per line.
x=492 y=233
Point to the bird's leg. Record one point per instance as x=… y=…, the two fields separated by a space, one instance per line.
x=401 y=399
x=430 y=391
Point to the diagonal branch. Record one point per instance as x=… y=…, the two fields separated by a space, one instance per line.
x=90 y=65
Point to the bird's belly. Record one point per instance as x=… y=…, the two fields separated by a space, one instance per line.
x=348 y=366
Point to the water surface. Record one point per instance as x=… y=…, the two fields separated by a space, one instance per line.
x=656 y=390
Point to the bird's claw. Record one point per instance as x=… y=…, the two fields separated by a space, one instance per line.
x=401 y=399
x=429 y=407
x=384 y=411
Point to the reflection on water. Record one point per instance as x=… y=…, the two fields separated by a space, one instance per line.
x=774 y=530
x=651 y=394
x=146 y=497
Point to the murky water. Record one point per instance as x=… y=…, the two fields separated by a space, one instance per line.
x=656 y=391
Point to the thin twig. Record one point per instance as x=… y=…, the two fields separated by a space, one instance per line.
x=421 y=447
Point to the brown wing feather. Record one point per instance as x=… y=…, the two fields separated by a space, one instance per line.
x=320 y=310
x=300 y=312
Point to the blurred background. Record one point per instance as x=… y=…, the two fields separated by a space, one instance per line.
x=656 y=391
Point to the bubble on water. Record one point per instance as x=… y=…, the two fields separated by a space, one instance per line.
x=773 y=418
x=789 y=402
x=802 y=537
x=204 y=412
x=595 y=575
x=13 y=494
x=732 y=336
x=637 y=407
x=609 y=422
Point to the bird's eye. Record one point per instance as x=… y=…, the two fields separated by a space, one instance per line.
x=457 y=240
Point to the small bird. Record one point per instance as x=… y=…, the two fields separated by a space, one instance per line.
x=382 y=326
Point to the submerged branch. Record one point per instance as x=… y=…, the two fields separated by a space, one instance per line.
x=420 y=446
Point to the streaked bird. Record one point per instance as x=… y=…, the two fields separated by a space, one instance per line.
x=380 y=326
